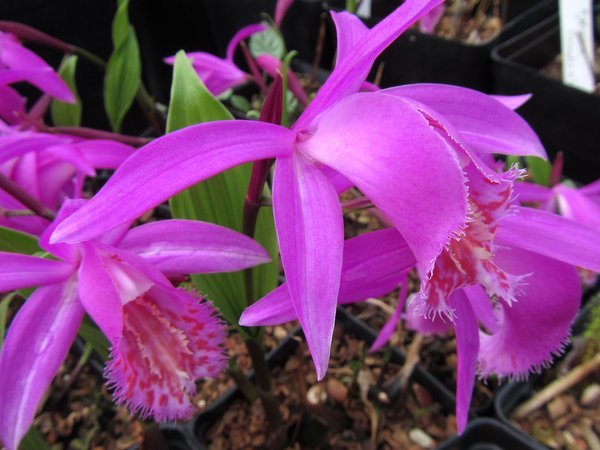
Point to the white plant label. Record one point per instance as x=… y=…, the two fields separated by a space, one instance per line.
x=364 y=9
x=577 y=43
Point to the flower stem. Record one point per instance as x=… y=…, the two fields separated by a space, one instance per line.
x=25 y=198
x=258 y=79
x=91 y=133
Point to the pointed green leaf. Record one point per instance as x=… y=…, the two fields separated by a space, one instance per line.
x=539 y=169
x=4 y=305
x=91 y=334
x=123 y=71
x=18 y=242
x=67 y=114
x=34 y=440
x=219 y=199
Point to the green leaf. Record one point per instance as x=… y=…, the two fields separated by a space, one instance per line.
x=18 y=242
x=67 y=114
x=267 y=42
x=89 y=332
x=34 y=440
x=539 y=169
x=219 y=199
x=123 y=71
x=4 y=305
x=240 y=103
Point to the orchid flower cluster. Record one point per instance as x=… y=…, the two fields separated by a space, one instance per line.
x=501 y=273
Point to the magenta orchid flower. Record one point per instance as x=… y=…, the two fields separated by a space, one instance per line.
x=398 y=131
x=509 y=264
x=162 y=338
x=20 y=64
x=51 y=168
x=389 y=137
x=12 y=105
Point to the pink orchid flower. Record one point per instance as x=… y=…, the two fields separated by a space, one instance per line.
x=162 y=338
x=403 y=154
x=363 y=147
x=430 y=20
x=20 y=64
x=509 y=264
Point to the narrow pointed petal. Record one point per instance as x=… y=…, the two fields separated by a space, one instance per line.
x=23 y=65
x=392 y=323
x=482 y=307
x=553 y=236
x=173 y=163
x=272 y=65
x=273 y=309
x=189 y=246
x=63 y=251
x=467 y=349
x=98 y=294
x=484 y=123
x=310 y=230
x=281 y=7
x=23 y=271
x=532 y=193
x=374 y=264
x=349 y=31
x=430 y=20
x=537 y=325
x=243 y=33
x=349 y=75
x=383 y=151
x=36 y=345
x=512 y=101
x=104 y=154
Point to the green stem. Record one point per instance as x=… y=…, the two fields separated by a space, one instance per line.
x=285 y=69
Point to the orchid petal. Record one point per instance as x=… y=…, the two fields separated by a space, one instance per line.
x=98 y=294
x=482 y=307
x=483 y=122
x=272 y=65
x=17 y=144
x=273 y=309
x=65 y=252
x=12 y=105
x=374 y=264
x=430 y=20
x=23 y=271
x=36 y=345
x=383 y=150
x=349 y=74
x=217 y=74
x=592 y=190
x=349 y=30
x=532 y=193
x=577 y=206
x=392 y=323
x=190 y=246
x=553 y=236
x=512 y=101
x=537 y=325
x=311 y=234
x=281 y=7
x=238 y=37
x=24 y=65
x=173 y=163
x=104 y=154
x=437 y=325
x=467 y=348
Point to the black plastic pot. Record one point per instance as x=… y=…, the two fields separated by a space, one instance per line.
x=490 y=434
x=279 y=356
x=566 y=119
x=424 y=58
